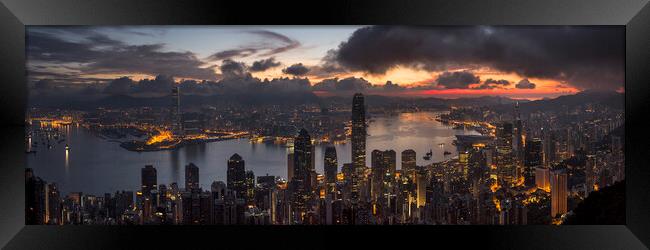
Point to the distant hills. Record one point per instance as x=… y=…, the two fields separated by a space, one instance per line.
x=610 y=99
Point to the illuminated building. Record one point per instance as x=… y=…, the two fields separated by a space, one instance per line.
x=390 y=161
x=543 y=178
x=331 y=165
x=558 y=192
x=53 y=216
x=175 y=111
x=505 y=162
x=550 y=146
x=378 y=169
x=517 y=142
x=290 y=166
x=533 y=158
x=590 y=174
x=191 y=177
x=421 y=188
x=250 y=187
x=148 y=179
x=236 y=176
x=358 y=139
x=301 y=181
x=409 y=160
x=35 y=199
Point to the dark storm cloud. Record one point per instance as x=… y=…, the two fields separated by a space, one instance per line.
x=119 y=86
x=349 y=84
x=296 y=69
x=457 y=80
x=233 y=69
x=525 y=84
x=98 y=53
x=584 y=57
x=264 y=64
x=492 y=84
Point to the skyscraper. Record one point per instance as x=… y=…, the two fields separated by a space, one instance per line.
x=302 y=156
x=558 y=192
x=390 y=161
x=175 y=111
x=149 y=179
x=505 y=162
x=533 y=158
x=408 y=160
x=236 y=176
x=301 y=181
x=191 y=177
x=54 y=215
x=35 y=199
x=358 y=132
x=331 y=165
x=378 y=169
x=517 y=132
x=290 y=166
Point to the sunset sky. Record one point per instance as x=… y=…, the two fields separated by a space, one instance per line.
x=517 y=62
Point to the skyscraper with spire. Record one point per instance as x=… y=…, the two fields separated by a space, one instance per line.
x=358 y=142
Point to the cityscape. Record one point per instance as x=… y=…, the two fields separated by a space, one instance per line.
x=106 y=149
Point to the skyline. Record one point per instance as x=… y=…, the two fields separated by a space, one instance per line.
x=446 y=62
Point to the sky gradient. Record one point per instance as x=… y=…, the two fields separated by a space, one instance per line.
x=448 y=62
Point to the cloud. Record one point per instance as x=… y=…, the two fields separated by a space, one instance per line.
x=264 y=64
x=232 y=69
x=286 y=43
x=296 y=69
x=584 y=57
x=232 y=53
x=457 y=80
x=119 y=86
x=525 y=84
x=492 y=84
x=97 y=53
x=273 y=43
x=350 y=84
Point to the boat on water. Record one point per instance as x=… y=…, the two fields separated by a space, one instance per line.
x=67 y=147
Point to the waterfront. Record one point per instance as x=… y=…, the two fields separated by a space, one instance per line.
x=95 y=166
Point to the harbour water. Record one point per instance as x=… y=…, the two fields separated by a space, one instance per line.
x=95 y=166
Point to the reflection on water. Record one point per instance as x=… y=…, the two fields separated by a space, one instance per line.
x=95 y=166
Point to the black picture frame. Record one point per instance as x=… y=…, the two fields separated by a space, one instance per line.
x=16 y=14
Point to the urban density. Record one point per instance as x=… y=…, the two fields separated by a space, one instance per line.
x=328 y=125
x=519 y=171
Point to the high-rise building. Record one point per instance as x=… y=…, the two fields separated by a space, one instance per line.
x=421 y=187
x=301 y=182
x=290 y=166
x=236 y=176
x=558 y=192
x=409 y=160
x=517 y=141
x=302 y=156
x=175 y=111
x=533 y=158
x=35 y=199
x=149 y=179
x=331 y=165
x=54 y=215
x=358 y=132
x=250 y=186
x=378 y=170
x=191 y=177
x=505 y=161
x=543 y=178
x=390 y=161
